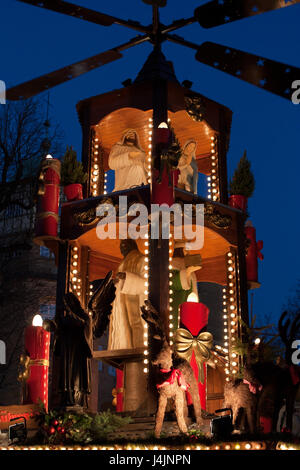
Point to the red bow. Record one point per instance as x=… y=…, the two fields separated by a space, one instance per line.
x=253 y=388
x=259 y=246
x=295 y=374
x=175 y=375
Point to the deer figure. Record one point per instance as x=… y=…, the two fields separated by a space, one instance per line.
x=272 y=383
x=289 y=332
x=175 y=376
x=242 y=395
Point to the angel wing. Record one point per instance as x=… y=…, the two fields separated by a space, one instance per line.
x=73 y=309
x=101 y=305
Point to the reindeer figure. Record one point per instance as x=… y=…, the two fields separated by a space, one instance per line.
x=242 y=394
x=272 y=383
x=288 y=336
x=172 y=381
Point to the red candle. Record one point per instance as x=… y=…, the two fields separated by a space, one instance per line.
x=194 y=317
x=162 y=135
x=163 y=193
x=48 y=201
x=37 y=343
x=119 y=387
x=253 y=252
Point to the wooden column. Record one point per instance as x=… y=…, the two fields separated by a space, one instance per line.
x=222 y=160
x=243 y=283
x=87 y=137
x=62 y=283
x=159 y=250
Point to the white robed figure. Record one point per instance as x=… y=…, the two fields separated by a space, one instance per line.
x=188 y=178
x=128 y=160
x=126 y=329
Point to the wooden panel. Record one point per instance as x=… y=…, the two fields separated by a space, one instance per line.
x=186 y=128
x=14 y=411
x=110 y=130
x=213 y=270
x=215 y=388
x=214 y=244
x=100 y=265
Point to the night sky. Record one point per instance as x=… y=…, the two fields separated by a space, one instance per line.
x=35 y=41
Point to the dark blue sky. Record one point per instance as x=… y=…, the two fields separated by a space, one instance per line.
x=36 y=41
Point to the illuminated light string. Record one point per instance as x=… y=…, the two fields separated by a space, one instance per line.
x=231 y=320
x=171 y=318
x=213 y=179
x=150 y=137
x=146 y=293
x=95 y=167
x=243 y=445
x=74 y=268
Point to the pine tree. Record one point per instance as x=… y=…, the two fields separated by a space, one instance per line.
x=72 y=170
x=243 y=182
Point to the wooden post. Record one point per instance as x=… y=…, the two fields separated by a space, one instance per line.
x=242 y=275
x=159 y=249
x=62 y=282
x=87 y=138
x=222 y=160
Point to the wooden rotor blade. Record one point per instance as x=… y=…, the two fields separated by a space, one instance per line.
x=52 y=79
x=157 y=3
x=218 y=12
x=83 y=13
x=264 y=73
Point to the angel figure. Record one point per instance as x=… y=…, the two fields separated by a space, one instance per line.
x=74 y=341
x=188 y=178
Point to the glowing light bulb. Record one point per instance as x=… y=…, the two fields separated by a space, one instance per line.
x=37 y=320
x=192 y=297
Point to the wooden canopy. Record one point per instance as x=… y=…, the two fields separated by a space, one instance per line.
x=111 y=128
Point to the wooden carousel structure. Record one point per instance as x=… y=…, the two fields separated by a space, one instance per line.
x=153 y=99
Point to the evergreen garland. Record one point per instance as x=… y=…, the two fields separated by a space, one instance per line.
x=72 y=170
x=243 y=182
x=63 y=427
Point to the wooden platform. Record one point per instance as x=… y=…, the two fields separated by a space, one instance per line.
x=118 y=357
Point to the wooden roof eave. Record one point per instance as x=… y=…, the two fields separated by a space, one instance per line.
x=139 y=96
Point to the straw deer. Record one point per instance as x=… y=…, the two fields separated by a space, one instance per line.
x=174 y=375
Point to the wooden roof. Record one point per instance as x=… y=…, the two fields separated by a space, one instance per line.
x=139 y=96
x=105 y=255
x=111 y=127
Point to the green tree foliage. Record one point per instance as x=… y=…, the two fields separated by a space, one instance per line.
x=71 y=169
x=243 y=182
x=59 y=427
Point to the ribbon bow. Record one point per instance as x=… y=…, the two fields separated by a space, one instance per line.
x=26 y=363
x=254 y=388
x=259 y=247
x=176 y=374
x=186 y=343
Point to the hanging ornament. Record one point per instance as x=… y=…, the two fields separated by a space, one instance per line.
x=195 y=107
